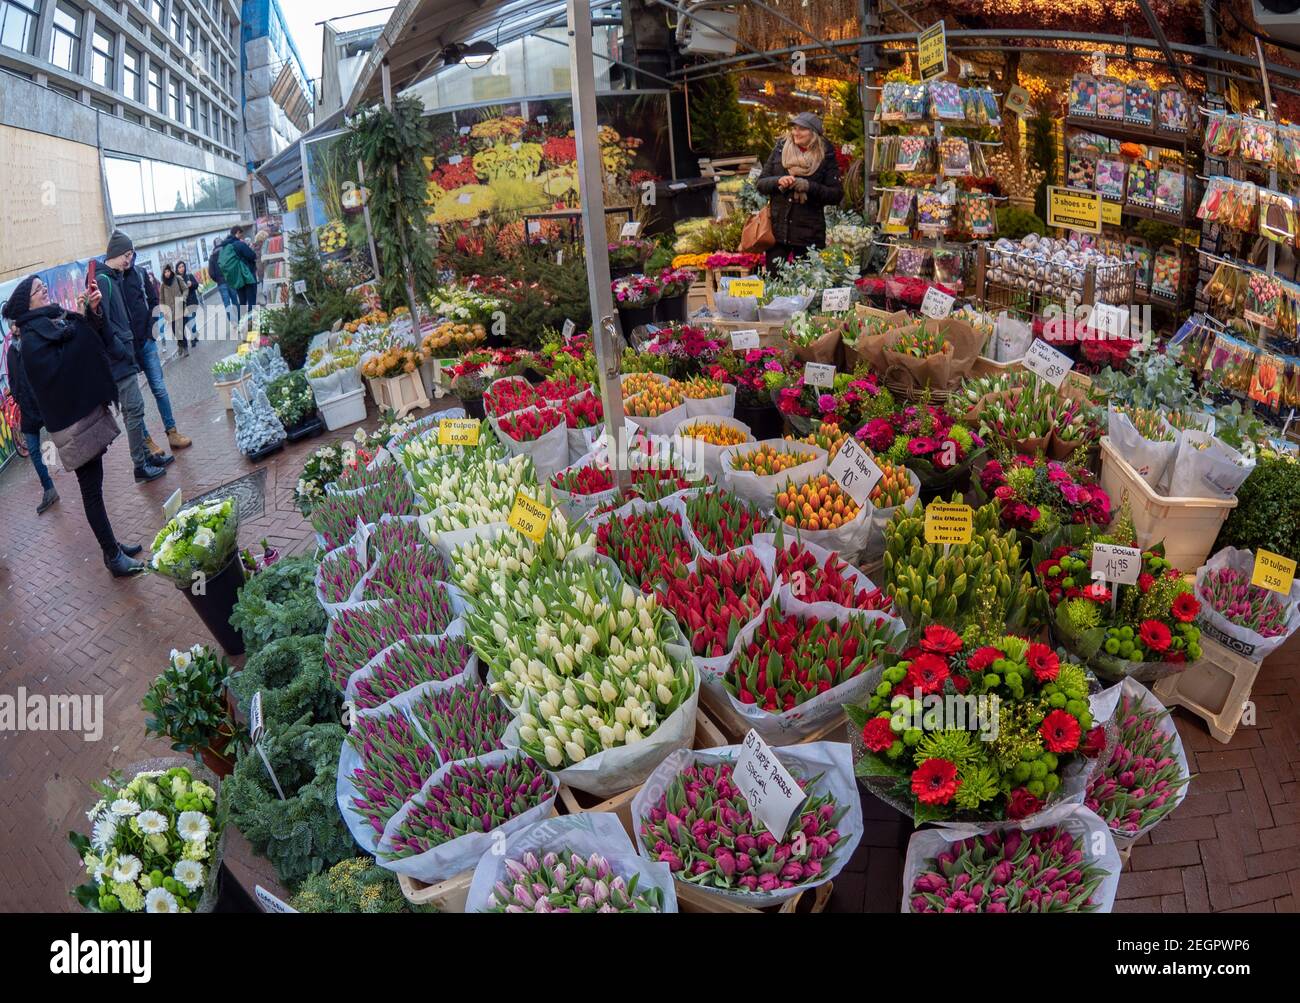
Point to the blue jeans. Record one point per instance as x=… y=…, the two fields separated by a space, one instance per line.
x=152 y=367
x=33 y=441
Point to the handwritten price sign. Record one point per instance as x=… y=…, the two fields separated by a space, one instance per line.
x=819 y=374
x=1120 y=565
x=855 y=471
x=773 y=795
x=743 y=340
x=1046 y=362
x=836 y=300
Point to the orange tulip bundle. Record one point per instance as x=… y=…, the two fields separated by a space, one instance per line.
x=700 y=388
x=636 y=383
x=658 y=399
x=768 y=460
x=894 y=488
x=827 y=435
x=715 y=434
x=818 y=503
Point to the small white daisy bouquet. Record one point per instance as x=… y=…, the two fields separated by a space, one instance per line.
x=153 y=844
x=201 y=538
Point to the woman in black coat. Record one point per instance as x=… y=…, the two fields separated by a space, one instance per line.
x=65 y=360
x=800 y=179
x=32 y=423
x=191 y=284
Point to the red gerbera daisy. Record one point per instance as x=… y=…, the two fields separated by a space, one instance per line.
x=1097 y=592
x=1185 y=607
x=983 y=658
x=935 y=781
x=1155 y=635
x=1044 y=662
x=941 y=640
x=877 y=735
x=1060 y=731
x=926 y=673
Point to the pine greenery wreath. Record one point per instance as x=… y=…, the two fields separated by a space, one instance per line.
x=291 y=675
x=279 y=602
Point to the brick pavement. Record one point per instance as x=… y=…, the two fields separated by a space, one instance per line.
x=67 y=627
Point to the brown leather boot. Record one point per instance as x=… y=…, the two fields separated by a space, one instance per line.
x=177 y=440
x=149 y=444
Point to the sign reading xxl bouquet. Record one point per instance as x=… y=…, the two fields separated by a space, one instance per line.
x=103 y=957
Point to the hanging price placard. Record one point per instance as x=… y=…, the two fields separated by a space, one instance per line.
x=271 y=903
x=819 y=374
x=458 y=432
x=932 y=52
x=1046 y=362
x=530 y=517
x=630 y=229
x=256 y=721
x=773 y=795
x=855 y=471
x=745 y=287
x=947 y=523
x=836 y=300
x=744 y=340
x=1273 y=572
x=937 y=303
x=1118 y=565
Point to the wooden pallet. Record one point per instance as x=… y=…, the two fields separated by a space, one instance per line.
x=445 y=896
x=692 y=898
x=723 y=717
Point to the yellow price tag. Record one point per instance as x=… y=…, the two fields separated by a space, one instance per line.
x=1112 y=213
x=1273 y=572
x=458 y=432
x=530 y=517
x=948 y=523
x=745 y=287
x=1074 y=209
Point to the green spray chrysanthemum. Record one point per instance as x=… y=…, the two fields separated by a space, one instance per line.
x=955 y=745
x=1072 y=680
x=979 y=783
x=1080 y=615
x=1020 y=479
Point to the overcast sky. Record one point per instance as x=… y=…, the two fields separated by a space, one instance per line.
x=302 y=17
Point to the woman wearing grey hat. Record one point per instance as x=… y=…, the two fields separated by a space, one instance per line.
x=801 y=177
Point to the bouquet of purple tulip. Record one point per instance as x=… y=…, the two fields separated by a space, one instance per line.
x=701 y=828
x=395 y=763
x=462 y=721
x=472 y=796
x=565 y=882
x=1229 y=592
x=338 y=575
x=360 y=633
x=1139 y=785
x=335 y=516
x=397 y=571
x=1046 y=870
x=392 y=535
x=418 y=660
x=359 y=475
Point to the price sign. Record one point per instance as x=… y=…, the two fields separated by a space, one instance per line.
x=458 y=432
x=819 y=374
x=300 y=287
x=630 y=229
x=1098 y=64
x=932 y=52
x=937 y=303
x=1110 y=320
x=464 y=130
x=1017 y=100
x=172 y=505
x=835 y=300
x=464 y=199
x=568 y=330
x=855 y=471
x=744 y=340
x=256 y=722
x=745 y=287
x=530 y=517
x=773 y=795
x=534 y=226
x=1074 y=209
x=947 y=523
x=1273 y=572
x=1120 y=565
x=543 y=119
x=271 y=903
x=1045 y=361
x=362 y=541
x=516 y=145
x=455 y=160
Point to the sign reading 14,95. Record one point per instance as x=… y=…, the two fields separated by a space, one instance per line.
x=819 y=374
x=1120 y=565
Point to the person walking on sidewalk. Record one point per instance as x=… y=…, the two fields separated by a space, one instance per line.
x=218 y=276
x=191 y=306
x=239 y=267
x=122 y=361
x=66 y=363
x=173 y=305
x=32 y=423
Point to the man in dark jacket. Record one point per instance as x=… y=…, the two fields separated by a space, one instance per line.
x=800 y=179
x=111 y=280
x=218 y=276
x=239 y=268
x=31 y=419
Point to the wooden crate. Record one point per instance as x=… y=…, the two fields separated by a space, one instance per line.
x=771 y=333
x=722 y=716
x=403 y=394
x=1215 y=689
x=445 y=896
x=690 y=898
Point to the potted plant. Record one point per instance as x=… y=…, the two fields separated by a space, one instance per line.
x=635 y=297
x=187 y=705
x=395 y=382
x=628 y=256
x=198 y=551
x=674 y=284
x=227 y=374
x=295 y=405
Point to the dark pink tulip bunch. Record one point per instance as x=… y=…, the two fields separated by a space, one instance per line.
x=335 y=517
x=1139 y=785
x=397 y=534
x=339 y=574
x=395 y=763
x=398 y=572
x=419 y=660
x=463 y=721
x=360 y=633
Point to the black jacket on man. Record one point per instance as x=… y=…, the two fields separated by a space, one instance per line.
x=801 y=224
x=65 y=360
x=214 y=267
x=22 y=390
x=141 y=301
x=119 y=340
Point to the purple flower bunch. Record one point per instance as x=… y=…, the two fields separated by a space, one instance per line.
x=1010 y=871
x=395 y=763
x=1230 y=593
x=397 y=534
x=1139 y=784
x=472 y=796
x=397 y=571
x=701 y=828
x=419 y=660
x=335 y=516
x=359 y=475
x=565 y=882
x=360 y=633
x=463 y=721
x=339 y=574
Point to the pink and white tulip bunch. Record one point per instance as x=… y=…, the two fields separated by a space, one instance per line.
x=462 y=721
x=565 y=882
x=395 y=763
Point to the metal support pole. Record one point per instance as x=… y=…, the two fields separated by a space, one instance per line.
x=370 y=232
x=802 y=30
x=1154 y=24
x=582 y=82
x=401 y=228
x=869 y=23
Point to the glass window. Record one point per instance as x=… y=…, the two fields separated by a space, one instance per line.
x=131 y=73
x=178 y=23
x=155 y=89
x=101 y=57
x=158 y=11
x=125 y=186
x=18 y=23
x=189 y=109
x=207 y=120
x=174 y=93
x=192 y=37
x=65 y=46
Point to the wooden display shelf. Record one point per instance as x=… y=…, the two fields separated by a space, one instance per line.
x=1128 y=132
x=691 y=898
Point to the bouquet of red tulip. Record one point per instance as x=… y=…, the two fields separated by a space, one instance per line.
x=582 y=410
x=644 y=544
x=530 y=425
x=722 y=522
x=509 y=395
x=829 y=579
x=559 y=388
x=716 y=600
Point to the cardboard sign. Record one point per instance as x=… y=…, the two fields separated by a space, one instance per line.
x=455 y=160
x=932 y=52
x=458 y=432
x=568 y=330
x=300 y=287
x=1074 y=209
x=1120 y=565
x=530 y=517
x=937 y=303
x=819 y=374
x=630 y=229
x=947 y=523
x=773 y=795
x=837 y=299
x=1273 y=572
x=1110 y=320
x=745 y=287
x=172 y=505
x=1047 y=363
x=744 y=340
x=271 y=903
x=1017 y=101
x=855 y=471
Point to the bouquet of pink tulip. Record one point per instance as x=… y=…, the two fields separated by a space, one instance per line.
x=471 y=797
x=395 y=763
x=702 y=829
x=391 y=535
x=398 y=574
x=359 y=475
x=335 y=516
x=565 y=882
x=1230 y=593
x=462 y=721
x=1010 y=871
x=359 y=634
x=418 y=660
x=1139 y=785
x=338 y=575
